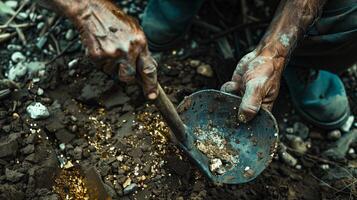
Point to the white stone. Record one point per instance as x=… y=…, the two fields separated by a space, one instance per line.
x=37 y=111
x=17 y=57
x=205 y=70
x=17 y=72
x=62 y=146
x=70 y=34
x=215 y=164
x=12 y=4
x=40 y=91
x=351 y=151
x=72 y=63
x=347 y=126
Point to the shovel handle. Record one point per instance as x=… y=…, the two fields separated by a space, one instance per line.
x=172 y=118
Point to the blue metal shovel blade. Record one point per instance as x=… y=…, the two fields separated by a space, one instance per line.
x=210 y=117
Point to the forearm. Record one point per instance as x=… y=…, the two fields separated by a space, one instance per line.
x=291 y=21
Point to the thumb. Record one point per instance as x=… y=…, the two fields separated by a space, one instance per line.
x=148 y=74
x=251 y=102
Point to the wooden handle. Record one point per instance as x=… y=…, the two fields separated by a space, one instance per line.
x=169 y=112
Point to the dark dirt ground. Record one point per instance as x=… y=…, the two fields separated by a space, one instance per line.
x=95 y=121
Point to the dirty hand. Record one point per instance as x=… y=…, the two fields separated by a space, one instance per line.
x=257 y=78
x=113 y=40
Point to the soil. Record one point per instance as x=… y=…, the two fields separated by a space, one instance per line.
x=97 y=122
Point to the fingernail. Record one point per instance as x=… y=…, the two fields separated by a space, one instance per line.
x=242 y=118
x=152 y=96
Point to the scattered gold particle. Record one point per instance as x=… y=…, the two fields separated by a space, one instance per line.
x=69 y=184
x=155 y=126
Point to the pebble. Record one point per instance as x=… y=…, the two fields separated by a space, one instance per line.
x=297 y=144
x=130 y=188
x=301 y=130
x=13 y=176
x=298 y=167
x=12 y=4
x=347 y=126
x=17 y=72
x=70 y=34
x=194 y=63
x=40 y=92
x=205 y=70
x=325 y=166
x=351 y=151
x=73 y=63
x=22 y=16
x=288 y=159
x=14 y=47
x=334 y=135
x=37 y=111
x=62 y=146
x=17 y=57
x=215 y=164
x=40 y=25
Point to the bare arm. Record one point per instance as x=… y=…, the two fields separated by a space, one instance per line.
x=258 y=74
x=113 y=39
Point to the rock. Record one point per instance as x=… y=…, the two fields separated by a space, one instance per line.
x=64 y=136
x=325 y=166
x=54 y=125
x=94 y=88
x=70 y=34
x=73 y=63
x=62 y=146
x=40 y=92
x=215 y=164
x=205 y=70
x=347 y=126
x=285 y=156
x=296 y=143
x=195 y=63
x=110 y=191
x=301 y=130
x=340 y=147
x=37 y=110
x=288 y=159
x=13 y=176
x=9 y=146
x=130 y=188
x=28 y=149
x=17 y=57
x=11 y=192
x=77 y=153
x=334 y=135
x=12 y=4
x=115 y=99
x=32 y=158
x=17 y=72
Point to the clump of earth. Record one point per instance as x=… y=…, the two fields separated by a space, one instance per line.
x=211 y=142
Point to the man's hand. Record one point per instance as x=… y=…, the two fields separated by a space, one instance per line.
x=113 y=40
x=257 y=78
x=258 y=74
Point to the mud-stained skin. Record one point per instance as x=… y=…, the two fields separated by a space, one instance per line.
x=257 y=76
x=114 y=40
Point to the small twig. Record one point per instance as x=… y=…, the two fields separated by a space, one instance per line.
x=15 y=14
x=6 y=36
x=62 y=52
x=24 y=25
x=50 y=23
x=56 y=43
